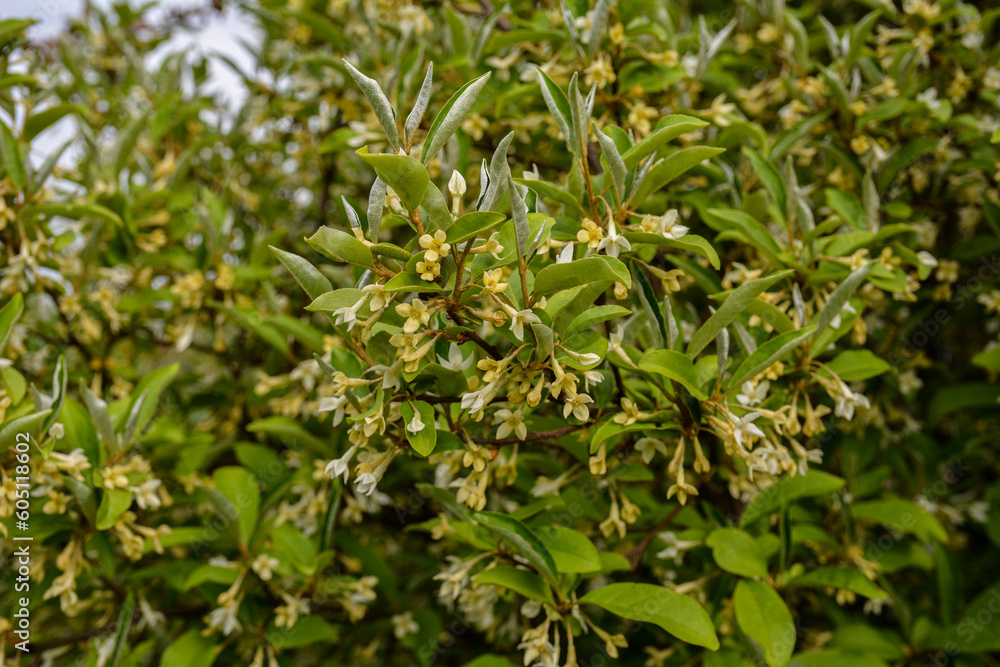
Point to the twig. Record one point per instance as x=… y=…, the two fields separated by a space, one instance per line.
x=635 y=555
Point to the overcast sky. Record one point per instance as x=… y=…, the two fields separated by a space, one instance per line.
x=222 y=34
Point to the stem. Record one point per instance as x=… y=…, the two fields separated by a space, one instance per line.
x=635 y=555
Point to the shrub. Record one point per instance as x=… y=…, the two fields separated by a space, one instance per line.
x=620 y=335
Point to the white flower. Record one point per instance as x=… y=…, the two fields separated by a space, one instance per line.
x=264 y=565
x=577 y=405
x=455 y=361
x=146 y=495
x=584 y=359
x=675 y=547
x=927 y=259
x=847 y=401
x=668 y=225
x=58 y=431
x=334 y=404
x=753 y=394
x=519 y=318
x=224 y=618
x=744 y=426
x=416 y=425
x=613 y=243
x=929 y=98
x=403 y=624
x=341 y=467
x=510 y=422
x=348 y=314
x=565 y=255
x=366 y=483
x=647 y=448
x=456 y=185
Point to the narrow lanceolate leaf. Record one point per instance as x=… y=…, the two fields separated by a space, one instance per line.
x=840 y=296
x=101 y=417
x=558 y=105
x=597 y=25
x=872 y=204
x=341 y=247
x=13 y=159
x=420 y=106
x=677 y=614
x=499 y=176
x=671 y=167
x=671 y=128
x=520 y=214
x=450 y=117
x=121 y=635
x=615 y=163
x=735 y=304
x=9 y=315
x=771 y=177
x=771 y=351
x=578 y=116
x=376 y=203
x=764 y=617
x=352 y=215
x=306 y=275
x=380 y=103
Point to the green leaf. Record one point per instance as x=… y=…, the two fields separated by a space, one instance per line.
x=553 y=192
x=404 y=174
x=851 y=365
x=13 y=159
x=519 y=212
x=522 y=540
x=149 y=390
x=380 y=103
x=596 y=315
x=615 y=163
x=332 y=301
x=121 y=633
x=450 y=117
x=25 y=424
x=191 y=650
x=9 y=315
x=768 y=353
x=677 y=614
x=471 y=225
x=813 y=483
x=836 y=658
x=308 y=630
x=764 y=617
x=114 y=502
x=838 y=299
x=671 y=167
x=391 y=251
x=958 y=398
x=38 y=122
x=341 y=247
x=557 y=277
x=424 y=441
x=771 y=178
x=572 y=551
x=840 y=577
x=734 y=304
x=306 y=275
x=691 y=243
x=78 y=211
x=901 y=515
x=239 y=486
x=525 y=583
x=675 y=366
x=737 y=552
x=558 y=105
x=670 y=128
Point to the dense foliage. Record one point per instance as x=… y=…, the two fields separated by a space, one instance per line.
x=553 y=334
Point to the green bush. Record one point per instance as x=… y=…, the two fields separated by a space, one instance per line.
x=551 y=334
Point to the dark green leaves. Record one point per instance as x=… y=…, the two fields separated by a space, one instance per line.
x=404 y=174
x=522 y=540
x=341 y=247
x=735 y=304
x=764 y=617
x=677 y=614
x=556 y=277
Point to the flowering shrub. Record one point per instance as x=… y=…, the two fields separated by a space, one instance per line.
x=619 y=335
